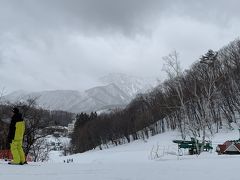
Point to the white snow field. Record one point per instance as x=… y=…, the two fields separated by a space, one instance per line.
x=134 y=161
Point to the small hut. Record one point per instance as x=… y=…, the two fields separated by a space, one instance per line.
x=229 y=147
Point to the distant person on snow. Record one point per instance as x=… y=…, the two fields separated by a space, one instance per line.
x=15 y=137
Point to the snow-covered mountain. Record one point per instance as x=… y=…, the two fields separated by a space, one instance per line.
x=117 y=90
x=129 y=84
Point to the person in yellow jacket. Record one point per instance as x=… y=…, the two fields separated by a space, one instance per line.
x=15 y=137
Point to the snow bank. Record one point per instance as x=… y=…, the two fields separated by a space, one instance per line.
x=132 y=162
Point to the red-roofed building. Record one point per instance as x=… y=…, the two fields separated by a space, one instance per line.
x=229 y=147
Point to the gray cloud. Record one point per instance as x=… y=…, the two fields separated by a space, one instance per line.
x=89 y=15
x=68 y=44
x=108 y=15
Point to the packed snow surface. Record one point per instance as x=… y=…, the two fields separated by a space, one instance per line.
x=134 y=161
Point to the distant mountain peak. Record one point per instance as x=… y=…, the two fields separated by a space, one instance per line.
x=128 y=83
x=117 y=91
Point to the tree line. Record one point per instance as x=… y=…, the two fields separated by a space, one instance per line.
x=197 y=102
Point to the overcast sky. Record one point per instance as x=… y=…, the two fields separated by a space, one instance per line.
x=69 y=44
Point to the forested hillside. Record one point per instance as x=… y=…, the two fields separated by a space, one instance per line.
x=196 y=101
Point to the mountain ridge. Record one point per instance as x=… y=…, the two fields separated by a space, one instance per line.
x=117 y=90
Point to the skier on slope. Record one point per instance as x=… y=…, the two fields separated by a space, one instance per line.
x=15 y=137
